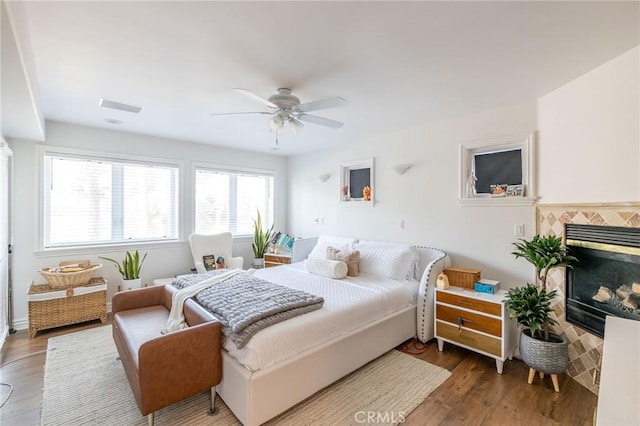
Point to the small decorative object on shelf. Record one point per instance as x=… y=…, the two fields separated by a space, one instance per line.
x=499 y=190
x=366 y=193
x=462 y=277
x=442 y=281
x=487 y=286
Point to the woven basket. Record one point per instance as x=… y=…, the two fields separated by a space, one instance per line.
x=69 y=279
x=545 y=357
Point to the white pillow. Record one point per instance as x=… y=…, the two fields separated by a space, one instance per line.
x=326 y=268
x=389 y=261
x=320 y=249
x=412 y=272
x=334 y=239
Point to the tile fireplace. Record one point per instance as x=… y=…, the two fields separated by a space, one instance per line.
x=606 y=281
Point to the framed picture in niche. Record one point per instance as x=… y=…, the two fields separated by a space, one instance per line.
x=498 y=171
x=356 y=182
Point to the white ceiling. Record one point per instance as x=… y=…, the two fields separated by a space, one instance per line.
x=398 y=64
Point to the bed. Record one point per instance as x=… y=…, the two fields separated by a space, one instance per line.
x=363 y=317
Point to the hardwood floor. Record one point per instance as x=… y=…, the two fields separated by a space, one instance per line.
x=474 y=394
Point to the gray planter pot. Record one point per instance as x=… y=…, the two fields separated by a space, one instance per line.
x=545 y=357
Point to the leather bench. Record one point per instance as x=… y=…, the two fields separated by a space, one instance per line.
x=165 y=369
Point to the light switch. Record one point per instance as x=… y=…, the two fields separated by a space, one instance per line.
x=518 y=230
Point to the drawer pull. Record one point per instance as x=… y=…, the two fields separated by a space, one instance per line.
x=461 y=321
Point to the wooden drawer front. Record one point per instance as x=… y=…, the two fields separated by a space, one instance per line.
x=469 y=338
x=487 y=325
x=469 y=303
x=274 y=260
x=277 y=259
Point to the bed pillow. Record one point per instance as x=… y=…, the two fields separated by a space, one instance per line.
x=336 y=240
x=351 y=258
x=412 y=273
x=386 y=261
x=320 y=249
x=326 y=268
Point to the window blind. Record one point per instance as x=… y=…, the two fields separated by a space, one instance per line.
x=229 y=201
x=92 y=201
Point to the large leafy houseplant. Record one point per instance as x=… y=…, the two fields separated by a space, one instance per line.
x=261 y=237
x=130 y=266
x=531 y=305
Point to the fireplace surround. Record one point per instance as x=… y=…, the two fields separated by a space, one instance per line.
x=606 y=280
x=585 y=348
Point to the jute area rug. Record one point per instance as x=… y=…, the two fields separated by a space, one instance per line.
x=84 y=384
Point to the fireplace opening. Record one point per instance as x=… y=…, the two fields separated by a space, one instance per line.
x=606 y=280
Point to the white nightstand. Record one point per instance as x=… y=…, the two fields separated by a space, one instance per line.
x=475 y=321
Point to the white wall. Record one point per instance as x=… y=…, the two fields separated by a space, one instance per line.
x=590 y=135
x=425 y=197
x=595 y=119
x=161 y=262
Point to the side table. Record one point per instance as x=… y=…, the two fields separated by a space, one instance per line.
x=476 y=321
x=51 y=307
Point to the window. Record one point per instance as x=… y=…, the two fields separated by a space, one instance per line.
x=92 y=201
x=498 y=171
x=228 y=201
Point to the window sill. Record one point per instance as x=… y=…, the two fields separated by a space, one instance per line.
x=498 y=201
x=107 y=248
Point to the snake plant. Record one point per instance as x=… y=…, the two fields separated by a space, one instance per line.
x=260 y=237
x=130 y=266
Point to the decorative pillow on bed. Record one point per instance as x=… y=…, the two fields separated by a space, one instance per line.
x=389 y=261
x=351 y=258
x=320 y=249
x=327 y=268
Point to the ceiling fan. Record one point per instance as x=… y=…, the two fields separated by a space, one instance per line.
x=286 y=108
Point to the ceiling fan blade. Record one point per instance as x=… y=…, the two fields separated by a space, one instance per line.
x=237 y=113
x=320 y=120
x=256 y=97
x=334 y=102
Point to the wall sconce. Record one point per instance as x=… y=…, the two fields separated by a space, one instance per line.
x=401 y=168
x=324 y=178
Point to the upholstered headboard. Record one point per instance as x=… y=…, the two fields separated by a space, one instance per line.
x=432 y=262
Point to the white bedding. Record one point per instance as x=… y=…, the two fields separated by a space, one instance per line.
x=349 y=304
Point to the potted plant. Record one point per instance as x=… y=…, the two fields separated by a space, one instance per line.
x=261 y=239
x=541 y=349
x=129 y=269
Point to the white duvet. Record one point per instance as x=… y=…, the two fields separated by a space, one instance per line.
x=349 y=304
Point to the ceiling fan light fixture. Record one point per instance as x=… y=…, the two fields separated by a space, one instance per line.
x=276 y=122
x=295 y=124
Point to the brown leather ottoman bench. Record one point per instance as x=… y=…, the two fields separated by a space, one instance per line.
x=165 y=369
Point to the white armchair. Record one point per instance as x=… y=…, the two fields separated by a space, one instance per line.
x=215 y=244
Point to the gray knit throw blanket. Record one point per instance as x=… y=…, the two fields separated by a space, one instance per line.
x=245 y=304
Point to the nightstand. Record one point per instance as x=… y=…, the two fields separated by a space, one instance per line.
x=272 y=259
x=475 y=321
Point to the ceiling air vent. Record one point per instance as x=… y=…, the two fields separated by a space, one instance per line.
x=105 y=103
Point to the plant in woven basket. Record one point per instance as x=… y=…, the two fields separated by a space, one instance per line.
x=130 y=266
x=531 y=305
x=540 y=349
